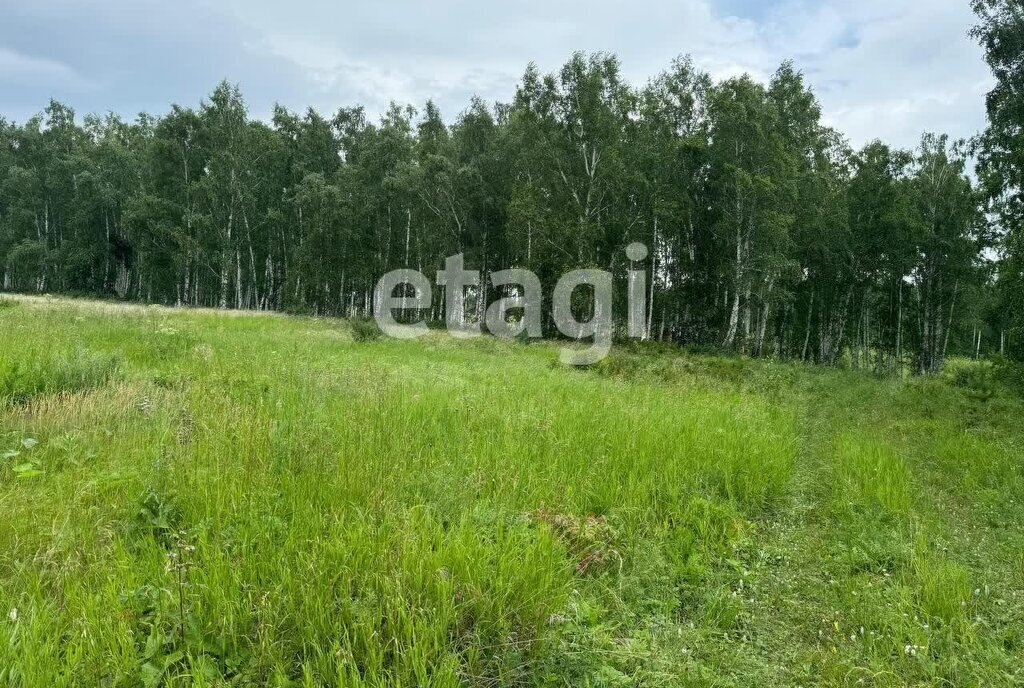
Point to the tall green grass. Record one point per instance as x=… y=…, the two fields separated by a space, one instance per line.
x=278 y=501
x=45 y=373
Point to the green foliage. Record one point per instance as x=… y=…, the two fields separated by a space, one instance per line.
x=260 y=501
x=977 y=379
x=365 y=329
x=53 y=373
x=767 y=235
x=1010 y=373
x=1000 y=151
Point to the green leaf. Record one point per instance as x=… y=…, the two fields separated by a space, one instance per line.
x=173 y=658
x=151 y=675
x=27 y=470
x=153 y=643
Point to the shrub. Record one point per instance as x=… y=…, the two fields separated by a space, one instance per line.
x=977 y=380
x=364 y=329
x=1009 y=373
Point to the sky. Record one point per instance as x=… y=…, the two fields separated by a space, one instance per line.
x=889 y=69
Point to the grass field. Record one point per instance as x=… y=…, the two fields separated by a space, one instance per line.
x=193 y=499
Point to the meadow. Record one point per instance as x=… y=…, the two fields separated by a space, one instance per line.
x=200 y=498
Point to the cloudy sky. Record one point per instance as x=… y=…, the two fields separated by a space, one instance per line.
x=882 y=68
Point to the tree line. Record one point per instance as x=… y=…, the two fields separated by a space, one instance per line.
x=768 y=233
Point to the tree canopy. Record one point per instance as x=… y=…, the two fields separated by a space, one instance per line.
x=768 y=233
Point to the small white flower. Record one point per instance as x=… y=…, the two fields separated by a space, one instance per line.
x=13 y=616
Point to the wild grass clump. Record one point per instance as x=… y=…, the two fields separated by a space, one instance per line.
x=1010 y=373
x=55 y=373
x=365 y=329
x=977 y=379
x=872 y=476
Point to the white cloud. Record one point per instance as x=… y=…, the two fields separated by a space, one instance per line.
x=882 y=68
x=16 y=67
x=904 y=67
